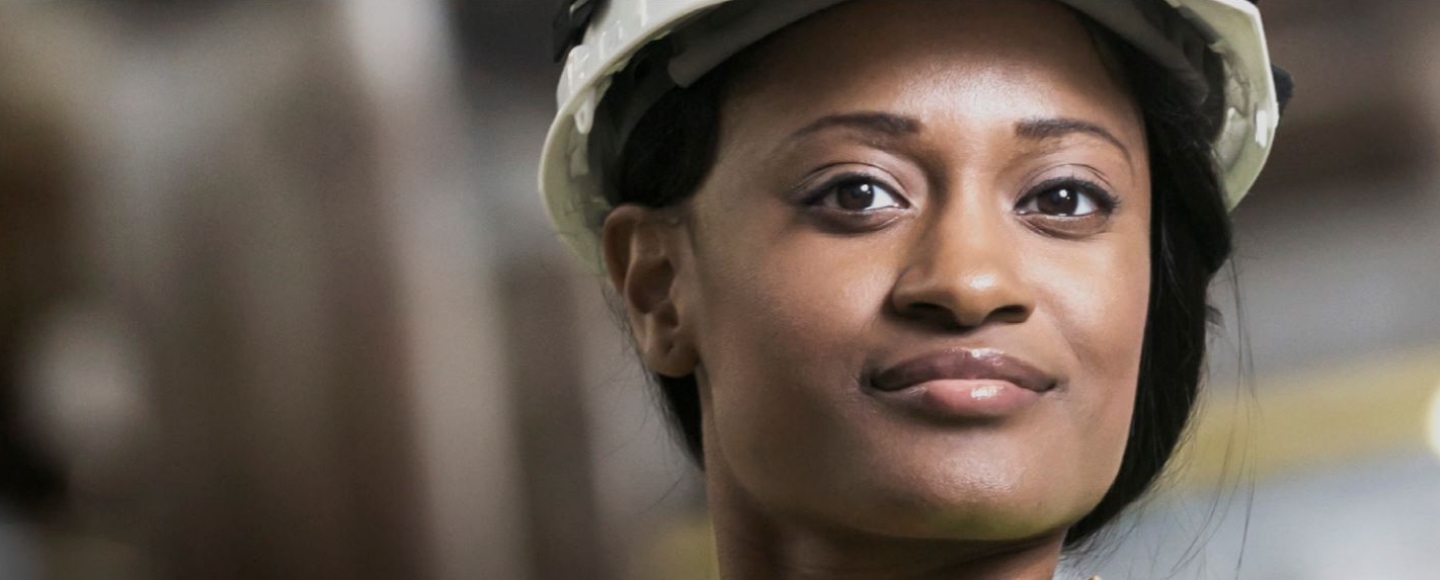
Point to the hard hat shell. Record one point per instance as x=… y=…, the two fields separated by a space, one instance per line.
x=1178 y=34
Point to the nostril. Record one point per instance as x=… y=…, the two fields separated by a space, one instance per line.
x=1010 y=313
x=933 y=313
x=924 y=309
x=929 y=313
x=963 y=295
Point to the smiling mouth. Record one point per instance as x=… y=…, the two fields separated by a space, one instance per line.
x=962 y=384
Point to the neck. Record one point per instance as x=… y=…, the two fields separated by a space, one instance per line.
x=752 y=544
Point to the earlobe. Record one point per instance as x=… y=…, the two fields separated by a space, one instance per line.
x=644 y=270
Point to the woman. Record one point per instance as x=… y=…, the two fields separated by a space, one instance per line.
x=923 y=283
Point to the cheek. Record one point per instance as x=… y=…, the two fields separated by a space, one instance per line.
x=781 y=329
x=1100 y=308
x=1102 y=318
x=773 y=301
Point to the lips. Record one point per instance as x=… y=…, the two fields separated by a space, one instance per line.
x=964 y=364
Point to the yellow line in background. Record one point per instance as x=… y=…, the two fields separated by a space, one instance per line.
x=1321 y=417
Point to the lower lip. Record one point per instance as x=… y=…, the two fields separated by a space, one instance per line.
x=962 y=399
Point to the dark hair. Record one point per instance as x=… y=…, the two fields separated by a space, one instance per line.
x=671 y=150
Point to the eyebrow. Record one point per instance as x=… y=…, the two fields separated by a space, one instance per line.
x=892 y=125
x=887 y=124
x=1059 y=127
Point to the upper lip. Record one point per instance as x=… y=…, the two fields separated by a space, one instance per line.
x=963 y=364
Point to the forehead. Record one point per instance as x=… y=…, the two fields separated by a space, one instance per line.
x=970 y=61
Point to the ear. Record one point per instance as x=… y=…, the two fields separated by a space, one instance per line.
x=643 y=258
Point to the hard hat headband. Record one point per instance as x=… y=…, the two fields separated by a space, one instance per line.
x=1161 y=33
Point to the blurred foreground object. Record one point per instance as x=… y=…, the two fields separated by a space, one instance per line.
x=276 y=273
x=36 y=190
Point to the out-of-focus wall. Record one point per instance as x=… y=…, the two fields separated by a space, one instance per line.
x=280 y=358
x=36 y=249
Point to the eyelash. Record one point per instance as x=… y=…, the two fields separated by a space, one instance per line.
x=817 y=195
x=1105 y=201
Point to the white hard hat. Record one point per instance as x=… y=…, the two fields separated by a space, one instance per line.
x=598 y=38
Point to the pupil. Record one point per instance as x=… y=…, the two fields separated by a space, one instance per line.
x=1059 y=202
x=856 y=196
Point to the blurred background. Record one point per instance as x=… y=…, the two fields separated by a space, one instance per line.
x=278 y=300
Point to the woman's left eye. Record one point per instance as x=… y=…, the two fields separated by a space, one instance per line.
x=1066 y=198
x=858 y=194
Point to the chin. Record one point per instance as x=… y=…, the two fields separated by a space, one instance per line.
x=976 y=511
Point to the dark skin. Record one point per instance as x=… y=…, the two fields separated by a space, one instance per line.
x=897 y=179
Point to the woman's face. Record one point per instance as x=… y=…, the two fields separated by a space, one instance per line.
x=915 y=282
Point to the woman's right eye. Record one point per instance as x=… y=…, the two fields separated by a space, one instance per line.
x=857 y=194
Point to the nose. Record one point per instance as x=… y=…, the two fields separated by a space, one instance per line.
x=964 y=272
